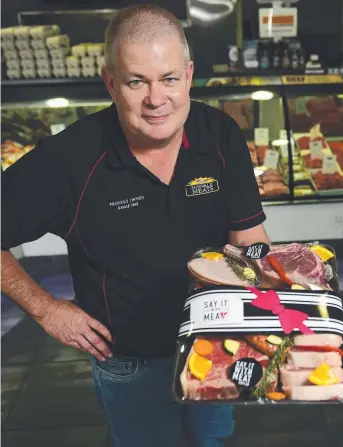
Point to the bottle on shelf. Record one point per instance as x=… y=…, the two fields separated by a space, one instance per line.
x=264 y=56
x=285 y=59
x=276 y=57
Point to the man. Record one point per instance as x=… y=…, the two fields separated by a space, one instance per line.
x=113 y=185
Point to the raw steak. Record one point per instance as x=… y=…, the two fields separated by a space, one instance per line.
x=301 y=265
x=217 y=385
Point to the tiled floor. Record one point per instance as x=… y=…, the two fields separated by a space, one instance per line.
x=48 y=400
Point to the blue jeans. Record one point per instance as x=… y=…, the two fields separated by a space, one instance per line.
x=136 y=396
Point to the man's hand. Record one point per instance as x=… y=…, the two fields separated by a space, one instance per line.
x=72 y=326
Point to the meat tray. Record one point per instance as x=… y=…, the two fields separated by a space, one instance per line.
x=261 y=324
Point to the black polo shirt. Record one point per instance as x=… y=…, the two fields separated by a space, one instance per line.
x=129 y=235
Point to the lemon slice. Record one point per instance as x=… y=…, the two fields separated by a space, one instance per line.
x=323 y=375
x=199 y=366
x=212 y=255
x=249 y=273
x=322 y=252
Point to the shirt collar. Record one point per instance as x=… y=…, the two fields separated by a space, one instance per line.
x=119 y=155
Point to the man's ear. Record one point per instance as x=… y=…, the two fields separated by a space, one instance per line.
x=108 y=77
x=189 y=73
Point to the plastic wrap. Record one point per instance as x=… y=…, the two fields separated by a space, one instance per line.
x=261 y=325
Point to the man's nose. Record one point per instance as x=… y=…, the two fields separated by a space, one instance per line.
x=156 y=95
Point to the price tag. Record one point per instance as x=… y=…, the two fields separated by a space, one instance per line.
x=316 y=148
x=56 y=128
x=261 y=135
x=271 y=159
x=329 y=164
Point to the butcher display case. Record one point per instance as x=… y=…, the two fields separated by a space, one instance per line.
x=294 y=132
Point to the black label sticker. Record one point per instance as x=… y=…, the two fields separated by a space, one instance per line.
x=246 y=372
x=257 y=251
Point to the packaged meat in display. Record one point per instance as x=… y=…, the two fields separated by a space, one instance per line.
x=261 y=324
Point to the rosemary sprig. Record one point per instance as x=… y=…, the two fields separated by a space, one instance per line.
x=276 y=362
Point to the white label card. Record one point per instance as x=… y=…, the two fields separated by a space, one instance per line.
x=271 y=159
x=56 y=128
x=217 y=309
x=329 y=164
x=316 y=148
x=261 y=135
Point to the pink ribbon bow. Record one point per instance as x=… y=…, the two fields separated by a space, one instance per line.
x=290 y=319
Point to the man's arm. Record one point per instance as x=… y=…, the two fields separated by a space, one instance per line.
x=59 y=318
x=249 y=236
x=36 y=200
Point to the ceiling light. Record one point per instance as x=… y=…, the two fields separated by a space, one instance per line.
x=262 y=95
x=57 y=102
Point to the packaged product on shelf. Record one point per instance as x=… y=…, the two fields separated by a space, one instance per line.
x=72 y=62
x=8 y=45
x=43 y=64
x=26 y=55
x=23 y=44
x=43 y=32
x=13 y=73
x=59 y=72
x=58 y=64
x=44 y=71
x=28 y=64
x=59 y=53
x=88 y=71
x=79 y=50
x=261 y=324
x=22 y=33
x=29 y=72
x=95 y=49
x=10 y=55
x=13 y=64
x=7 y=35
x=88 y=61
x=42 y=54
x=38 y=45
x=100 y=60
x=56 y=42
x=74 y=72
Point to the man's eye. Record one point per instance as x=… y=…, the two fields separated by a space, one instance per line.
x=170 y=81
x=135 y=83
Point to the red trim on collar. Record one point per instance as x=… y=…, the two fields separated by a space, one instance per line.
x=185 y=140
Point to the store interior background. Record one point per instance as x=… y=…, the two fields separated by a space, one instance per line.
x=47 y=391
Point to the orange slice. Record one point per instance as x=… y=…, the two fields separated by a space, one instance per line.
x=212 y=255
x=275 y=395
x=203 y=347
x=323 y=375
x=322 y=252
x=199 y=366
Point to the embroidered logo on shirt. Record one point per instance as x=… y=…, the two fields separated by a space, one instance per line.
x=124 y=204
x=201 y=185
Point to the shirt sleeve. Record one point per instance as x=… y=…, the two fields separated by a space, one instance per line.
x=35 y=200
x=244 y=203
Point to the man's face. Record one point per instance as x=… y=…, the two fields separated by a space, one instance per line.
x=150 y=87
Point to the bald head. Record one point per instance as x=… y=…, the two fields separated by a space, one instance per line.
x=142 y=24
